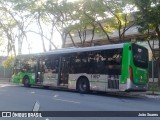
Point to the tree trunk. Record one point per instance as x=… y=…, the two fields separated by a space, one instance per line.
x=71 y=39
x=93 y=32
x=159 y=65
x=64 y=37
x=41 y=32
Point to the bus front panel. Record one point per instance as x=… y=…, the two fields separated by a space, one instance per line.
x=139 y=65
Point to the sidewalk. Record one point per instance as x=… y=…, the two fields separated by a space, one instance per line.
x=6 y=83
x=149 y=94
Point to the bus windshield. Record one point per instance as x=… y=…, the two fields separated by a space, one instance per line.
x=140 y=56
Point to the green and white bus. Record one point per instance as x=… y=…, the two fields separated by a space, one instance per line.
x=117 y=67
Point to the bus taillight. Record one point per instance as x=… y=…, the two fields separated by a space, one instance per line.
x=131 y=73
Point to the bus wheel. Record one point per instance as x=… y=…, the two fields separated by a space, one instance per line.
x=83 y=85
x=26 y=81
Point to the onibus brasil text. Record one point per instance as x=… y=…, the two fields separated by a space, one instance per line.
x=21 y=114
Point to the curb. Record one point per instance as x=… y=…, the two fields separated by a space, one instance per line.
x=153 y=96
x=149 y=94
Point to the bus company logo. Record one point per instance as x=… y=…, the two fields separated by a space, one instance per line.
x=6 y=114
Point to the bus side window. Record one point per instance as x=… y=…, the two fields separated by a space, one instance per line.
x=74 y=64
x=99 y=64
x=91 y=64
x=71 y=68
x=51 y=65
x=84 y=67
x=77 y=66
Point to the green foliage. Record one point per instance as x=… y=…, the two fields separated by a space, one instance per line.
x=149 y=11
x=9 y=62
x=48 y=16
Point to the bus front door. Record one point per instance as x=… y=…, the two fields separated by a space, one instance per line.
x=39 y=72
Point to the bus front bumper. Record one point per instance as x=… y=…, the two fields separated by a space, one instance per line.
x=135 y=87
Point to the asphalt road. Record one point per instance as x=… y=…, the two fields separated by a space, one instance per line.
x=18 y=98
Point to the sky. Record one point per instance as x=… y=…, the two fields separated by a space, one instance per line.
x=36 y=43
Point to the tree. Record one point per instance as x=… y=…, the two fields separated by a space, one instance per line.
x=14 y=22
x=37 y=11
x=68 y=18
x=7 y=25
x=60 y=14
x=104 y=17
x=9 y=62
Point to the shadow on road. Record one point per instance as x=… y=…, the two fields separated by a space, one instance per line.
x=125 y=95
x=120 y=95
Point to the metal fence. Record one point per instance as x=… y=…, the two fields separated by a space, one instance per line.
x=5 y=74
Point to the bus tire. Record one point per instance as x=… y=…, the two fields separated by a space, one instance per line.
x=83 y=85
x=26 y=81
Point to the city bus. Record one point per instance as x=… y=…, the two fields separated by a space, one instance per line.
x=117 y=67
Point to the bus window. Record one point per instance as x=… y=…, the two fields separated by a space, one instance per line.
x=91 y=64
x=79 y=63
x=27 y=65
x=51 y=65
x=99 y=63
x=113 y=61
x=140 y=56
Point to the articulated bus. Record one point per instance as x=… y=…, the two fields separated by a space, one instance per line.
x=118 y=67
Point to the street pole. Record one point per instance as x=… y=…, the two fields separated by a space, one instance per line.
x=4 y=74
x=153 y=74
x=153 y=68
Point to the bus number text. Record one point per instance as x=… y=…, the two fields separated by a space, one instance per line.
x=97 y=76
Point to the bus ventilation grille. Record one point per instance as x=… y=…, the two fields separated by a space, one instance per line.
x=114 y=84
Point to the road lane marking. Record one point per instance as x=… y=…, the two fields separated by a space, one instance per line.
x=32 y=92
x=66 y=100
x=36 y=107
x=55 y=96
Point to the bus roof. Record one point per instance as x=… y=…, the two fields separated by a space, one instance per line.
x=84 y=49
x=74 y=50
